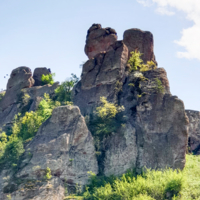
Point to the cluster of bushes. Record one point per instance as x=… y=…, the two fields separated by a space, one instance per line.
x=150 y=185
x=26 y=126
x=24 y=129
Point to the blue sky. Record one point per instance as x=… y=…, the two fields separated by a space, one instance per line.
x=50 y=33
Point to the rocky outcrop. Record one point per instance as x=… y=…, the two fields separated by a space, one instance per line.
x=194 y=131
x=100 y=77
x=37 y=75
x=64 y=144
x=136 y=39
x=99 y=39
x=155 y=133
x=21 y=96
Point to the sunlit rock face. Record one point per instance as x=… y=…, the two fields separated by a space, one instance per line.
x=155 y=134
x=99 y=40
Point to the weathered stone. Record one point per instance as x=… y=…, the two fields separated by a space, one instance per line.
x=37 y=75
x=136 y=39
x=194 y=131
x=20 y=78
x=100 y=76
x=99 y=39
x=21 y=96
x=38 y=190
x=64 y=144
x=155 y=133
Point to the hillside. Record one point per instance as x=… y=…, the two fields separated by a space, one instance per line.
x=119 y=118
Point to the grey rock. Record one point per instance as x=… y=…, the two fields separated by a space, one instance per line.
x=194 y=131
x=64 y=144
x=155 y=133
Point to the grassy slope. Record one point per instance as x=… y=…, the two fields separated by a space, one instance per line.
x=167 y=184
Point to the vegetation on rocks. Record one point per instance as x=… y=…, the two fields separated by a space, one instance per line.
x=2 y=94
x=137 y=64
x=24 y=129
x=63 y=92
x=47 y=79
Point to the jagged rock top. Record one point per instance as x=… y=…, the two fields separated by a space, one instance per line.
x=37 y=75
x=99 y=39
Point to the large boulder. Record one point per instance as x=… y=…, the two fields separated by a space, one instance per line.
x=20 y=78
x=136 y=39
x=194 y=131
x=64 y=144
x=99 y=39
x=37 y=75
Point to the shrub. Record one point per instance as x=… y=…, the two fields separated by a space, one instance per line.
x=158 y=86
x=136 y=63
x=47 y=79
x=24 y=128
x=105 y=119
x=63 y=92
x=48 y=174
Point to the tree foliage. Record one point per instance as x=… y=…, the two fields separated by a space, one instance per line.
x=24 y=128
x=47 y=79
x=63 y=92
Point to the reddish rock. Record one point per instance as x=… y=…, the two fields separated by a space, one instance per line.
x=99 y=39
x=135 y=39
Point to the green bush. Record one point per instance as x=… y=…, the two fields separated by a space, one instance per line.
x=47 y=79
x=24 y=128
x=106 y=119
x=48 y=174
x=151 y=184
x=136 y=63
x=158 y=86
x=63 y=92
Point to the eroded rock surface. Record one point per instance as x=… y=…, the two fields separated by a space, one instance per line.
x=99 y=39
x=194 y=131
x=21 y=96
x=101 y=76
x=155 y=133
x=136 y=39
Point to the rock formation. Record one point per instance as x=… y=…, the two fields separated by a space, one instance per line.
x=194 y=131
x=64 y=144
x=37 y=75
x=155 y=134
x=142 y=41
x=99 y=39
x=21 y=95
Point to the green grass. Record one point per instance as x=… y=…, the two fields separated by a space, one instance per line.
x=151 y=185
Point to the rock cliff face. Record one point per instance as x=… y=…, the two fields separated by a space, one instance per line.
x=64 y=144
x=155 y=134
x=21 y=96
x=194 y=131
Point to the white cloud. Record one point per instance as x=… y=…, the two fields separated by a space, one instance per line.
x=190 y=38
x=164 y=11
x=145 y=2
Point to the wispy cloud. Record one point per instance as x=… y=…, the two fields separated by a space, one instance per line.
x=190 y=38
